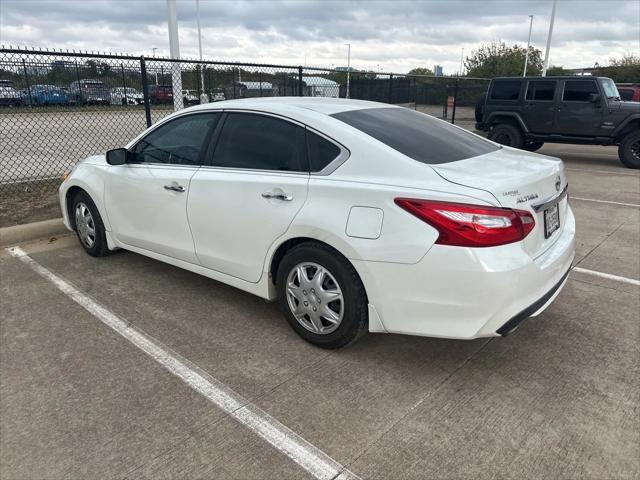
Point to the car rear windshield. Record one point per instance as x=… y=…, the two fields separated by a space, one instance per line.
x=417 y=135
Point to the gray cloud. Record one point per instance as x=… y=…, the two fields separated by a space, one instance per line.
x=397 y=35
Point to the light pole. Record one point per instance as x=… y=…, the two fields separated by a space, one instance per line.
x=348 y=67
x=203 y=96
x=461 y=60
x=154 y=56
x=526 y=55
x=546 y=54
x=174 y=49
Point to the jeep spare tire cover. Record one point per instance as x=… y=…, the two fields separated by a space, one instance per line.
x=480 y=107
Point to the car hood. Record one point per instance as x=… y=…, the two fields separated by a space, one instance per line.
x=631 y=107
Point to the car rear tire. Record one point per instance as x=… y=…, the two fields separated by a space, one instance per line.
x=88 y=225
x=532 y=145
x=322 y=296
x=506 y=134
x=629 y=150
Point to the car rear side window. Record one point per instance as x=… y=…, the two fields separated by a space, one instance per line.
x=541 y=90
x=321 y=151
x=505 y=89
x=417 y=135
x=178 y=141
x=260 y=142
x=578 y=90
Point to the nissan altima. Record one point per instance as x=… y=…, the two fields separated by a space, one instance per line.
x=355 y=216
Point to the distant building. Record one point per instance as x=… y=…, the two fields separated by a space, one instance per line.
x=437 y=70
x=255 y=89
x=321 y=87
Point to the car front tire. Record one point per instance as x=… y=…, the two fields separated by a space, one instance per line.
x=532 y=145
x=322 y=296
x=629 y=150
x=506 y=134
x=88 y=225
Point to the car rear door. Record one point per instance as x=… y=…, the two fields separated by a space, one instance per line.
x=255 y=183
x=146 y=200
x=539 y=107
x=576 y=114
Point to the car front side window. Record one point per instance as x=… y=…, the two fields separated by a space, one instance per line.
x=578 y=90
x=178 y=142
x=260 y=142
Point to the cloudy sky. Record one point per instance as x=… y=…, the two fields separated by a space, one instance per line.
x=390 y=35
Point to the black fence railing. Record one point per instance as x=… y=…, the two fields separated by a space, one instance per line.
x=57 y=108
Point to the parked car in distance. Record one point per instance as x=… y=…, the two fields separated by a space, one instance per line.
x=89 y=92
x=526 y=112
x=126 y=96
x=159 y=94
x=217 y=96
x=44 y=95
x=189 y=97
x=9 y=96
x=629 y=92
x=354 y=215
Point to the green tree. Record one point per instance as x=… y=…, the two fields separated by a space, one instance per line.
x=625 y=69
x=557 y=71
x=497 y=59
x=421 y=71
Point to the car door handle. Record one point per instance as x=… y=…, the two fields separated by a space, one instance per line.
x=174 y=188
x=278 y=196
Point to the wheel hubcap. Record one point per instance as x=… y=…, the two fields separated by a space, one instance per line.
x=85 y=226
x=315 y=298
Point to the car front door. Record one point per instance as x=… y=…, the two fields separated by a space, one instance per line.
x=580 y=110
x=539 y=105
x=255 y=183
x=146 y=199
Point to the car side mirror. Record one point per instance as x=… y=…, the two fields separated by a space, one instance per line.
x=118 y=156
x=594 y=97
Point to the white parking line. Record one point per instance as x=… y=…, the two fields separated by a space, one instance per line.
x=604 y=201
x=608 y=276
x=607 y=172
x=309 y=457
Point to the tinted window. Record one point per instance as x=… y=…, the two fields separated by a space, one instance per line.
x=625 y=94
x=177 y=142
x=541 y=90
x=260 y=142
x=578 y=90
x=419 y=136
x=505 y=90
x=321 y=151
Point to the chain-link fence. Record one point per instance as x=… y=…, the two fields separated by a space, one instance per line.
x=59 y=107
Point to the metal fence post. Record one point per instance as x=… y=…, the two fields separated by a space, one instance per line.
x=390 y=100
x=124 y=84
x=300 y=81
x=145 y=90
x=26 y=79
x=455 y=100
x=79 y=84
x=260 y=82
x=233 y=80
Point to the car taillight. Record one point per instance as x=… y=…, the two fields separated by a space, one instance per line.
x=466 y=225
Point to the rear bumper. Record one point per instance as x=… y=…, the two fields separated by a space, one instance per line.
x=462 y=293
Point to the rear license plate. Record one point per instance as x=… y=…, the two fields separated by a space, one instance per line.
x=551 y=220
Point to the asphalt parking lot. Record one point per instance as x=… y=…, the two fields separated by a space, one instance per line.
x=178 y=376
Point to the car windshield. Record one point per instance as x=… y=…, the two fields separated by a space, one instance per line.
x=417 y=135
x=610 y=89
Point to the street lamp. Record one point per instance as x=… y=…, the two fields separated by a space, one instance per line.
x=348 y=67
x=526 y=55
x=461 y=60
x=203 y=96
x=546 y=54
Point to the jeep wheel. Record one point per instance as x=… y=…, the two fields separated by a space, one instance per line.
x=508 y=135
x=532 y=145
x=629 y=150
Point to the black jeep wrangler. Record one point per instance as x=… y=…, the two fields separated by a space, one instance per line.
x=526 y=112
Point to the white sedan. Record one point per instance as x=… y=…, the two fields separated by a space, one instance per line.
x=356 y=216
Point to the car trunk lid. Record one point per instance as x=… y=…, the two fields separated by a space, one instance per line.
x=519 y=180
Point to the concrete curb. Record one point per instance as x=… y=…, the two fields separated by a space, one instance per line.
x=31 y=231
